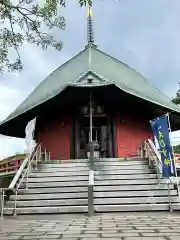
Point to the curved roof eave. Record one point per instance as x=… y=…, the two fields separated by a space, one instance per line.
x=17 y=115
x=105 y=83
x=150 y=100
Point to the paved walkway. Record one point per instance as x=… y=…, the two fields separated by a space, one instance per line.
x=121 y=226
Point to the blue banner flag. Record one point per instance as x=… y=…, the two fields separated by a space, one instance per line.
x=160 y=128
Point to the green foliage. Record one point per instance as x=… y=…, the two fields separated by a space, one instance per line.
x=14 y=157
x=85 y=2
x=29 y=21
x=176 y=149
x=176 y=100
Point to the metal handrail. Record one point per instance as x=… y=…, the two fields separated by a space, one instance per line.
x=154 y=158
x=169 y=194
x=22 y=172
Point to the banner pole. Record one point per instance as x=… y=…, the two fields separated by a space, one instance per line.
x=173 y=156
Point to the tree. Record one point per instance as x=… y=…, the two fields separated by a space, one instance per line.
x=29 y=21
x=177 y=149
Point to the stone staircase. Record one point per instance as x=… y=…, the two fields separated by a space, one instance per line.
x=119 y=185
x=130 y=185
x=56 y=187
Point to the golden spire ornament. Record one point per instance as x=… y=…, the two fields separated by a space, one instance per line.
x=90 y=33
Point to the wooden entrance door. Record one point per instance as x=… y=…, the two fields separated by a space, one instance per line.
x=100 y=132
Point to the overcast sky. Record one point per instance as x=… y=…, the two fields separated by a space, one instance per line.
x=144 y=34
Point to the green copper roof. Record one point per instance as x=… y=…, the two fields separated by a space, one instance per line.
x=107 y=71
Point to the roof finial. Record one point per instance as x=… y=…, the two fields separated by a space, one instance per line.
x=90 y=33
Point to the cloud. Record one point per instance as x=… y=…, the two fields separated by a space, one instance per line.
x=175 y=138
x=9 y=99
x=10 y=146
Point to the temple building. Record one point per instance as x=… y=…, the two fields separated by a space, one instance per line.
x=120 y=100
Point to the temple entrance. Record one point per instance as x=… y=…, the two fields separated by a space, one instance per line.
x=101 y=132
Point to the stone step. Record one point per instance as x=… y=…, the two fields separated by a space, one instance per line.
x=46 y=210
x=133 y=207
x=122 y=160
x=42 y=168
x=65 y=161
x=102 y=194
x=63 y=165
x=121 y=163
x=50 y=202
x=84 y=178
x=97 y=183
x=57 y=184
x=98 y=163
x=128 y=182
x=129 y=177
x=176 y=206
x=120 y=167
x=58 y=179
x=124 y=171
x=59 y=173
x=98 y=208
x=96 y=189
x=97 y=167
x=51 y=196
x=53 y=190
x=134 y=200
x=132 y=187
x=122 y=194
x=97 y=201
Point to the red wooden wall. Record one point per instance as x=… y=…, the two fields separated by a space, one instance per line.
x=131 y=132
x=55 y=137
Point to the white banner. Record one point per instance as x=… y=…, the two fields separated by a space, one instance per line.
x=29 y=131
